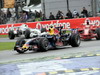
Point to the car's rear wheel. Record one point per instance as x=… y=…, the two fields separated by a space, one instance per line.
x=11 y=35
x=98 y=33
x=27 y=33
x=19 y=43
x=75 y=40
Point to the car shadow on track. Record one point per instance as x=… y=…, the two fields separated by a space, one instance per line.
x=58 y=48
x=89 y=40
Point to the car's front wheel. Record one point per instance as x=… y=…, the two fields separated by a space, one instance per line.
x=19 y=43
x=43 y=44
x=11 y=35
x=98 y=33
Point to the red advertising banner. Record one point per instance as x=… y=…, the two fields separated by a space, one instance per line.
x=66 y=23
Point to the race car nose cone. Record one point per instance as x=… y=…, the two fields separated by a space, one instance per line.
x=25 y=46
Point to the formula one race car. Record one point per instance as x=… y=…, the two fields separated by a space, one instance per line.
x=24 y=30
x=47 y=41
x=89 y=31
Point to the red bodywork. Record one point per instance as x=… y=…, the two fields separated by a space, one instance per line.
x=88 y=31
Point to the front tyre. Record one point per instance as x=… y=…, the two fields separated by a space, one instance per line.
x=19 y=43
x=98 y=33
x=11 y=35
x=75 y=40
x=43 y=44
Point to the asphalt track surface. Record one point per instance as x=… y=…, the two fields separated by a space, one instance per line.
x=87 y=66
x=72 y=66
x=85 y=47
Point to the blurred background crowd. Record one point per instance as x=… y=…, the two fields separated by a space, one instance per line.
x=18 y=15
x=24 y=16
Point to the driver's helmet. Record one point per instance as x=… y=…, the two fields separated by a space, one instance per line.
x=87 y=21
x=51 y=30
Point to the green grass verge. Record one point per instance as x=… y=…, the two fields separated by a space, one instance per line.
x=3 y=36
x=6 y=45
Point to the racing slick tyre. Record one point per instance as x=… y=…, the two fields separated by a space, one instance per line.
x=43 y=44
x=11 y=35
x=98 y=33
x=75 y=40
x=27 y=34
x=19 y=43
x=43 y=30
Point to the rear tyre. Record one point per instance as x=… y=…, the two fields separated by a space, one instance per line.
x=11 y=35
x=19 y=43
x=43 y=44
x=27 y=33
x=75 y=40
x=98 y=33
